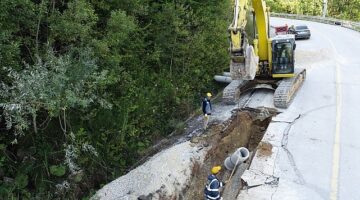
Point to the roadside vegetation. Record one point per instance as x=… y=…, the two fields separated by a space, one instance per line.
x=88 y=86
x=349 y=9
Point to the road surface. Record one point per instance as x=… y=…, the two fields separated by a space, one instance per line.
x=318 y=155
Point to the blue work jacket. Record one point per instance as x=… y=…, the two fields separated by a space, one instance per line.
x=206 y=106
x=212 y=188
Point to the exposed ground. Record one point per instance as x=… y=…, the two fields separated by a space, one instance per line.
x=180 y=168
x=244 y=129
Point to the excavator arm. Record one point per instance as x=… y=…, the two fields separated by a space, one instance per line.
x=238 y=39
x=237 y=27
x=262 y=27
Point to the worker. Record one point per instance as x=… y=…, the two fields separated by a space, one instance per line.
x=284 y=56
x=206 y=108
x=213 y=185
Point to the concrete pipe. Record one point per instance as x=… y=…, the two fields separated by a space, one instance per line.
x=240 y=155
x=228 y=74
x=222 y=79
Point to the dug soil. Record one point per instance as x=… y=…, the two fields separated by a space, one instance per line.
x=245 y=128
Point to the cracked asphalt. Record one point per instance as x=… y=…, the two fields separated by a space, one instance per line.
x=316 y=141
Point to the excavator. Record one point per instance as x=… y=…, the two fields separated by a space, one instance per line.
x=258 y=61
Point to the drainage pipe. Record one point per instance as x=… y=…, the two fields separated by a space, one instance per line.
x=239 y=156
x=228 y=74
x=222 y=79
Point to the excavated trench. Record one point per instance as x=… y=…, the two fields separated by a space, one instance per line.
x=245 y=128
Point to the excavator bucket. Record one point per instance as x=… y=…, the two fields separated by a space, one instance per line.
x=245 y=70
x=241 y=73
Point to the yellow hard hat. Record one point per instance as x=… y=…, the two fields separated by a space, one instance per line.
x=215 y=169
x=208 y=94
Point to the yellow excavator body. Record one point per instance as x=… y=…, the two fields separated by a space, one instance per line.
x=262 y=58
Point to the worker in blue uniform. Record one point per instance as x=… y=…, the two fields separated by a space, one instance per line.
x=212 y=188
x=206 y=108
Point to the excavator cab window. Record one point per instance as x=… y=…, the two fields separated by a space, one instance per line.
x=283 y=58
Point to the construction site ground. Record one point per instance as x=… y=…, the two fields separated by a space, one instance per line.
x=296 y=153
x=180 y=169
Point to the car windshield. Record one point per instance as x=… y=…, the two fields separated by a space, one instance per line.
x=301 y=27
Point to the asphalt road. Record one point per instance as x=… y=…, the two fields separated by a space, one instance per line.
x=325 y=142
x=321 y=158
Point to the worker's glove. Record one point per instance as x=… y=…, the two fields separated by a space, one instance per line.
x=224 y=183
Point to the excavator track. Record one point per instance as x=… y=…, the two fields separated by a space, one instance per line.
x=288 y=88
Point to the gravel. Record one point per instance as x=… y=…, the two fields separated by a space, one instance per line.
x=163 y=176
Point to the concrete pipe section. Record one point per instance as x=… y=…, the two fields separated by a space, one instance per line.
x=228 y=74
x=222 y=79
x=239 y=156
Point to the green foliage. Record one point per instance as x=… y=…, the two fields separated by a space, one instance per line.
x=52 y=84
x=349 y=9
x=119 y=27
x=21 y=181
x=304 y=7
x=74 y=25
x=338 y=9
x=88 y=86
x=57 y=170
x=15 y=20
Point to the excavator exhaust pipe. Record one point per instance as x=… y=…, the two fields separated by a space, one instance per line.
x=239 y=156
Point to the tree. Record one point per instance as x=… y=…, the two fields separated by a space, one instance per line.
x=89 y=85
x=349 y=9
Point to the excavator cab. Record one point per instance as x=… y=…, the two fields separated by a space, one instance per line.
x=283 y=56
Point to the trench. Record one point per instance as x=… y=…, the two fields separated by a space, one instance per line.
x=245 y=128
